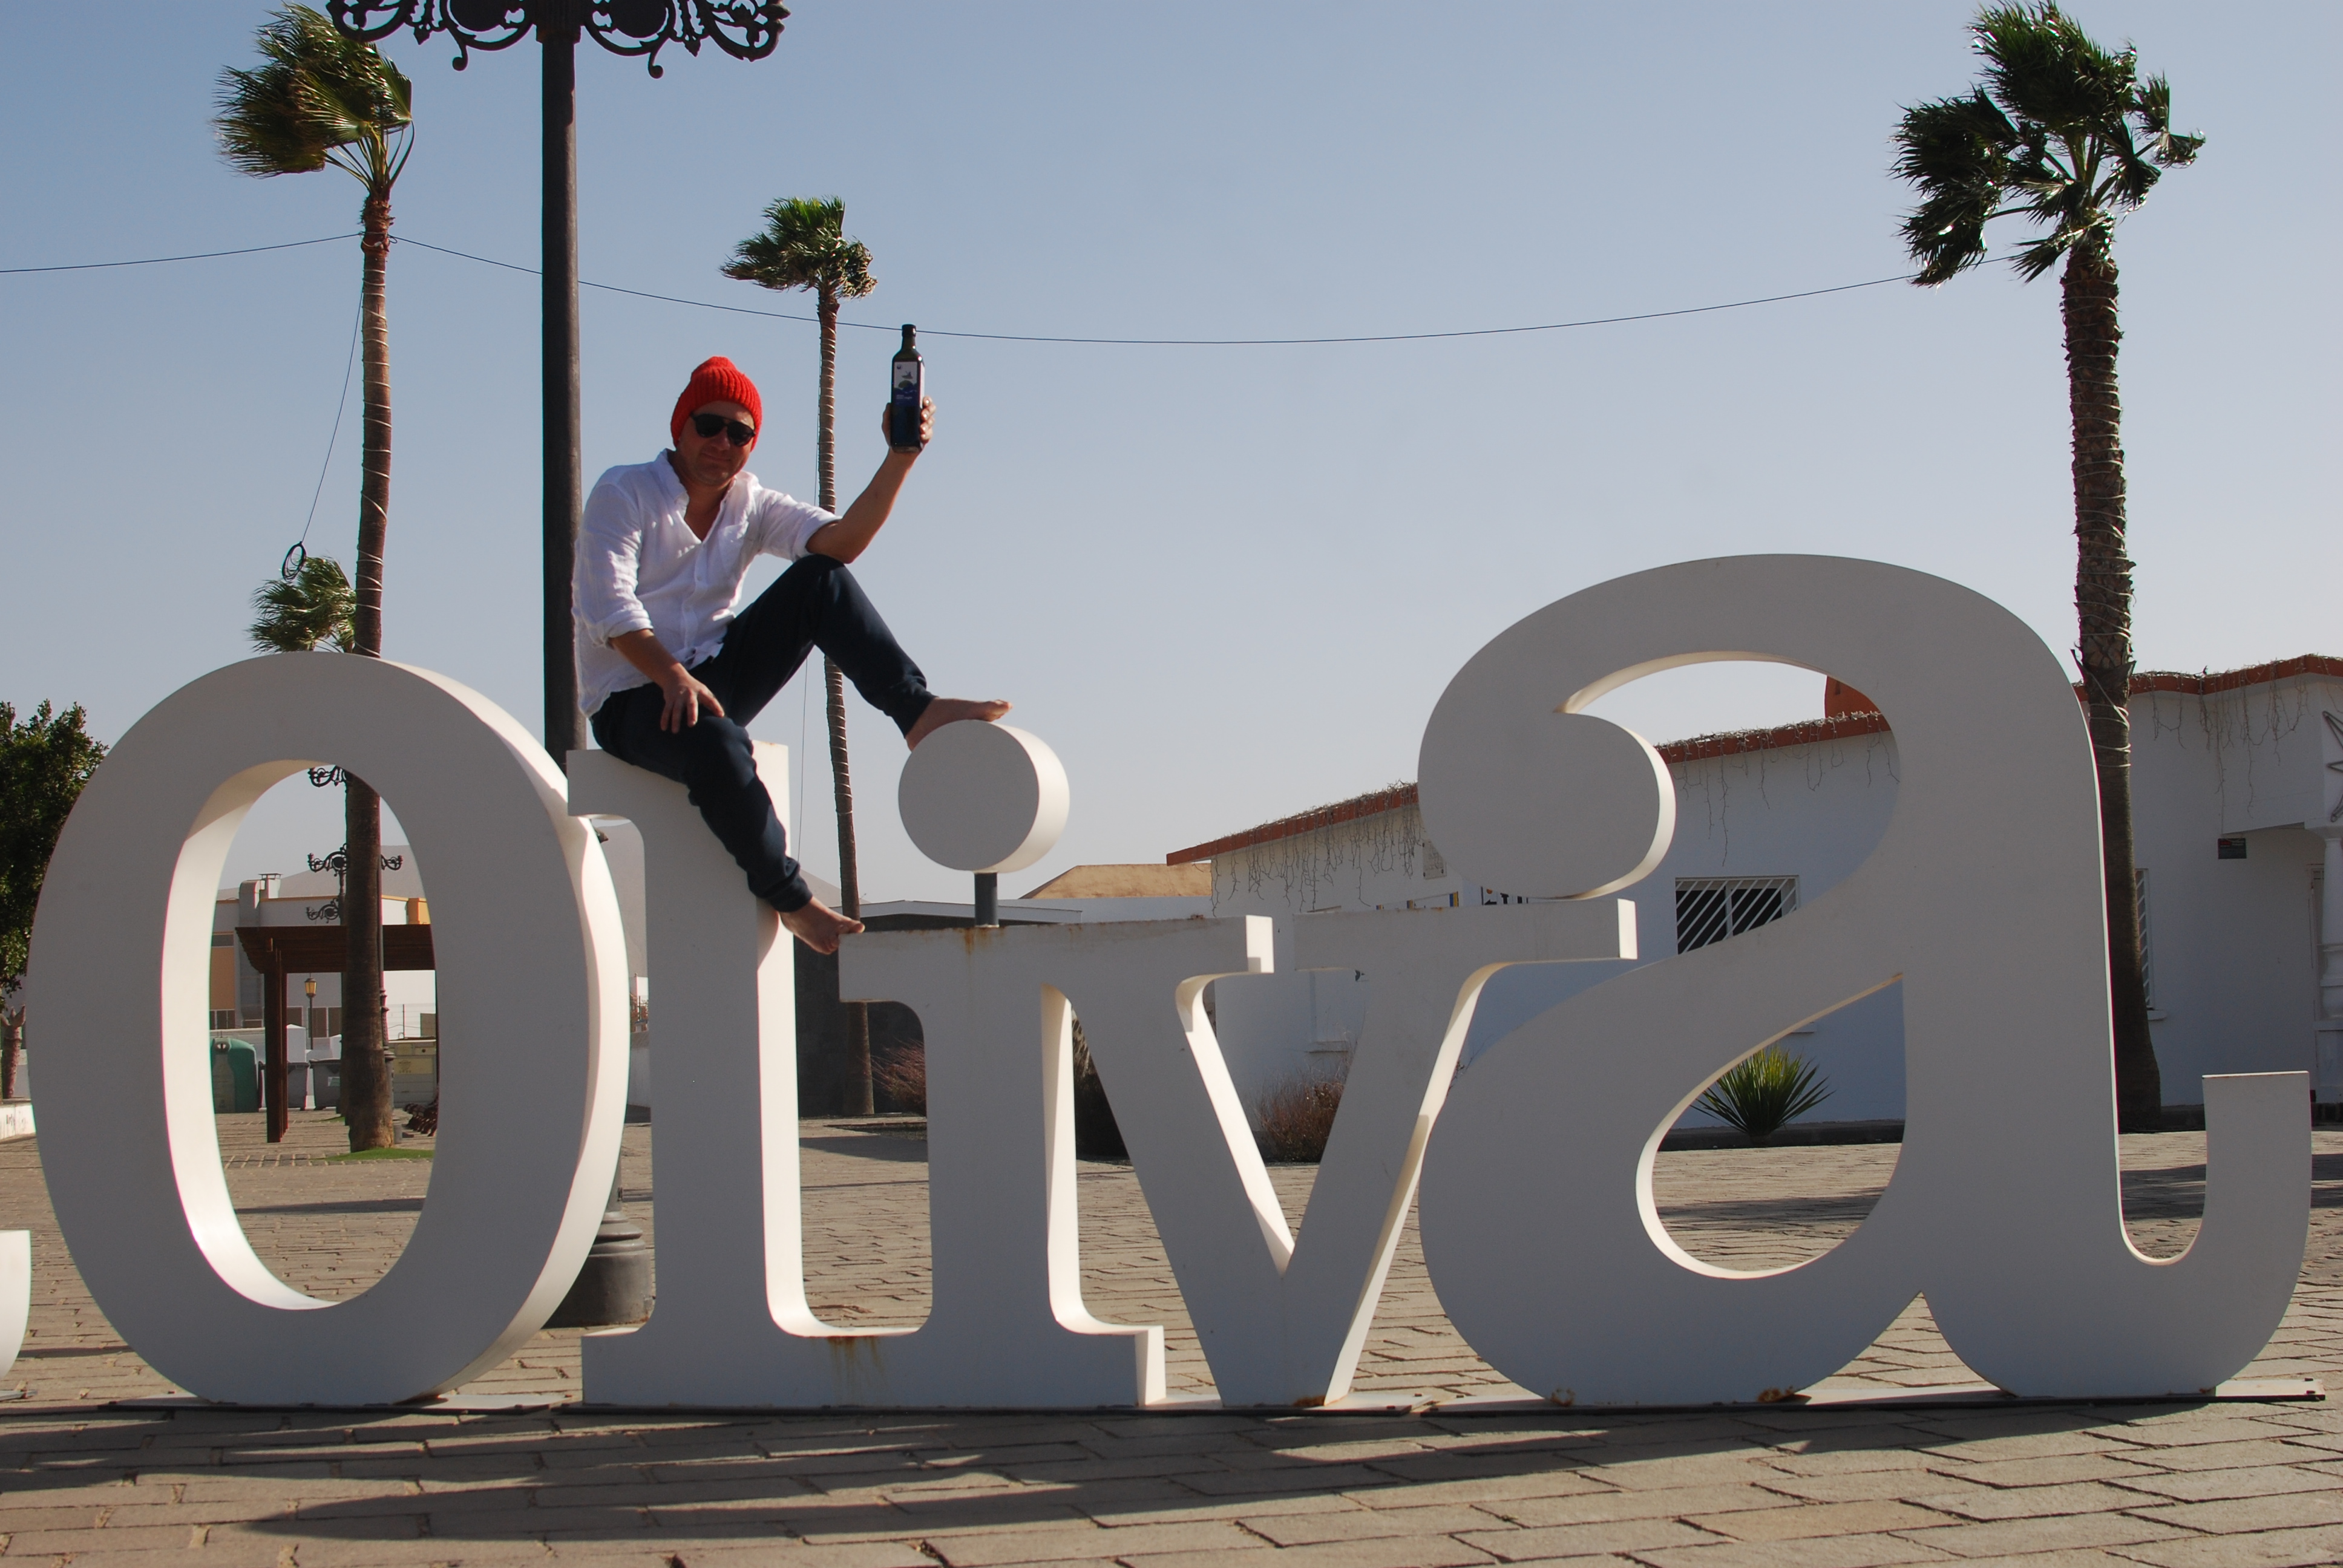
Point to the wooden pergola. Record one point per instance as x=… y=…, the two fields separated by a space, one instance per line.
x=281 y=951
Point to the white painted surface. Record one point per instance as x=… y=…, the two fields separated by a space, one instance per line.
x=131 y=1157
x=980 y=797
x=1984 y=898
x=1282 y=1319
x=1009 y=1326
x=2245 y=956
x=2235 y=946
x=15 y=1294
x=1980 y=901
x=1520 y=794
x=17 y=1119
x=730 y=1326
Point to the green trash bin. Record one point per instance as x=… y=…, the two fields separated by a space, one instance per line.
x=236 y=1076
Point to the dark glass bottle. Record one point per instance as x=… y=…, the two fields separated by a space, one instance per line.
x=908 y=385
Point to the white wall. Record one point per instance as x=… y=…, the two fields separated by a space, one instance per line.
x=2233 y=943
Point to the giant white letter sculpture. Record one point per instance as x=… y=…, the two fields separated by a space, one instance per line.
x=1281 y=1321
x=1984 y=898
x=534 y=1073
x=732 y=1325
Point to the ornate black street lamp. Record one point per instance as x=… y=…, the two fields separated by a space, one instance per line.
x=744 y=31
x=614 y=1287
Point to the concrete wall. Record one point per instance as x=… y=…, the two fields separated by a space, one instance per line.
x=2232 y=943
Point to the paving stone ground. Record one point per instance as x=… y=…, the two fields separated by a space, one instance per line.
x=86 y=1481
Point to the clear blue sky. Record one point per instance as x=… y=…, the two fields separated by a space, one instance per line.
x=1225 y=584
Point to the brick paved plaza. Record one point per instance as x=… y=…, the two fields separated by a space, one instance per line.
x=84 y=1481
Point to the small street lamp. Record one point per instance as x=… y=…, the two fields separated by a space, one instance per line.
x=309 y=1029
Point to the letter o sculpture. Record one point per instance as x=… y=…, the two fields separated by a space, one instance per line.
x=531 y=987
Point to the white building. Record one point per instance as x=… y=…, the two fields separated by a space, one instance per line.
x=2238 y=812
x=304 y=902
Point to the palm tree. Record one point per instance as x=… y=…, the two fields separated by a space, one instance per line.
x=2063 y=132
x=319 y=98
x=300 y=613
x=804 y=245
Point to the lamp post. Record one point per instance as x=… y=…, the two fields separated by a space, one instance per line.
x=310 y=1033
x=744 y=29
x=614 y=1286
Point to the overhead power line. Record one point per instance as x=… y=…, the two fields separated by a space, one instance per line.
x=159 y=260
x=1024 y=337
x=1192 y=342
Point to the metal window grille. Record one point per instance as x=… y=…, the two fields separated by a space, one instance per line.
x=1711 y=909
x=2146 y=939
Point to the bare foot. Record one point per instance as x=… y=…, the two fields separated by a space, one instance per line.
x=819 y=926
x=946 y=710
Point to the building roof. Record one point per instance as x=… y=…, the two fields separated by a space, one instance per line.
x=2204 y=683
x=1145 y=880
x=1393 y=796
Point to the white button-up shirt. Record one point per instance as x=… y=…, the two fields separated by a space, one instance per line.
x=640 y=567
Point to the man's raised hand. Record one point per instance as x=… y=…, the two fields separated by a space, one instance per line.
x=927 y=427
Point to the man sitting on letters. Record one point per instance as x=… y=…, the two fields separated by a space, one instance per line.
x=672 y=670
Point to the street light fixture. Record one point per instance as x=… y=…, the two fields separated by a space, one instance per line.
x=614 y=1286
x=309 y=1031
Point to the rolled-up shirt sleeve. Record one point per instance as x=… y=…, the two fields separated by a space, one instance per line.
x=782 y=525
x=609 y=553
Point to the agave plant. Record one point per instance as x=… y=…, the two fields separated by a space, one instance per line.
x=1760 y=1093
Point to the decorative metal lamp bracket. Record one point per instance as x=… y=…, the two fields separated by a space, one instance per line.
x=744 y=31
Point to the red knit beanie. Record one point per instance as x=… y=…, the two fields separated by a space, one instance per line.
x=717 y=380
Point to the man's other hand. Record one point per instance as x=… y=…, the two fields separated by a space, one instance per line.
x=819 y=926
x=687 y=699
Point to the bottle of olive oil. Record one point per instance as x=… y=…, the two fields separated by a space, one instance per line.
x=909 y=385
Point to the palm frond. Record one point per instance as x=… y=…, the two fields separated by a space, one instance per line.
x=2041 y=66
x=314 y=93
x=2155 y=111
x=804 y=245
x=313 y=609
x=1957 y=151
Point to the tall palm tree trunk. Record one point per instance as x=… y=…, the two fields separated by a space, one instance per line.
x=2103 y=611
x=365 y=1067
x=859 y=1101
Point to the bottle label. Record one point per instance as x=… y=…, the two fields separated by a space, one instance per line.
x=907 y=381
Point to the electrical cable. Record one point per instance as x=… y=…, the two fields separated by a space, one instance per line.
x=805 y=706
x=159 y=260
x=1192 y=342
x=1030 y=337
x=291 y=568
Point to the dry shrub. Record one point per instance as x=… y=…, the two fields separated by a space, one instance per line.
x=900 y=1077
x=1297 y=1117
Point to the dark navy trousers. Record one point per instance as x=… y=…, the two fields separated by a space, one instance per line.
x=815 y=604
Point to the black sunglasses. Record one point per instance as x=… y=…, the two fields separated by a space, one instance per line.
x=710 y=426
